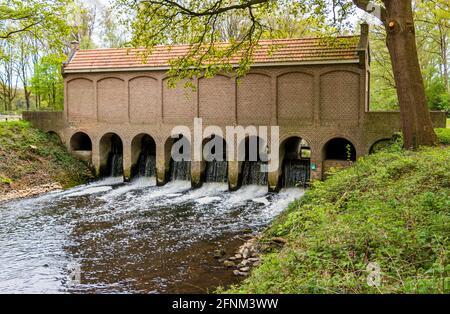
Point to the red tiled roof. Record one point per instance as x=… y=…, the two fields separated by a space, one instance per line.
x=306 y=50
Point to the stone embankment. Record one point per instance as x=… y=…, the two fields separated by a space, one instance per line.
x=29 y=192
x=248 y=254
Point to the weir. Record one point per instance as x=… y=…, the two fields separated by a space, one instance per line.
x=252 y=174
x=310 y=88
x=115 y=157
x=146 y=165
x=216 y=171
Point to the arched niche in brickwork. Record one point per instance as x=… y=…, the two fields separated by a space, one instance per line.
x=252 y=153
x=111 y=155
x=340 y=97
x=214 y=159
x=178 y=102
x=80 y=100
x=380 y=144
x=295 y=97
x=143 y=155
x=254 y=99
x=175 y=156
x=295 y=162
x=111 y=100
x=80 y=141
x=80 y=145
x=217 y=99
x=144 y=97
x=339 y=149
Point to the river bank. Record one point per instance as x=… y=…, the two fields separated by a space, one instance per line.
x=380 y=226
x=33 y=162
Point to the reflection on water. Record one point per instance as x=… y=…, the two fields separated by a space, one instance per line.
x=130 y=237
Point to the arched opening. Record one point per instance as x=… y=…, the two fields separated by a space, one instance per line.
x=143 y=154
x=179 y=149
x=81 y=146
x=340 y=149
x=80 y=141
x=380 y=145
x=54 y=137
x=111 y=155
x=215 y=157
x=253 y=150
x=295 y=154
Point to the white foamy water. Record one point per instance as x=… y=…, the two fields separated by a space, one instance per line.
x=129 y=237
x=136 y=184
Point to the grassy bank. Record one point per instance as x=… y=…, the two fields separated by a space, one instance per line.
x=391 y=208
x=29 y=157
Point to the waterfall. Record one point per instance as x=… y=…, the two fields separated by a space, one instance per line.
x=116 y=164
x=146 y=164
x=216 y=171
x=296 y=173
x=115 y=158
x=252 y=174
x=181 y=170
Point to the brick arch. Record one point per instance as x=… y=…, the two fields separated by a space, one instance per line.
x=254 y=99
x=295 y=97
x=139 y=142
x=144 y=99
x=178 y=102
x=338 y=137
x=215 y=95
x=112 y=103
x=340 y=96
x=79 y=78
x=80 y=99
x=371 y=146
x=107 y=143
x=80 y=141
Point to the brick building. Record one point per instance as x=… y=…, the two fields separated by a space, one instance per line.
x=314 y=89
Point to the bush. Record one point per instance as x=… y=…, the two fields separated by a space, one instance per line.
x=391 y=208
x=443 y=136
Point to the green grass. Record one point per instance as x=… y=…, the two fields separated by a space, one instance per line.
x=30 y=157
x=448 y=123
x=391 y=208
x=443 y=136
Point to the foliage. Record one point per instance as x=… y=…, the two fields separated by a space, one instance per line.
x=443 y=135
x=205 y=24
x=31 y=157
x=48 y=82
x=433 y=34
x=391 y=208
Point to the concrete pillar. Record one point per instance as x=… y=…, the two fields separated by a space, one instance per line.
x=96 y=157
x=233 y=175
x=196 y=174
x=162 y=165
x=274 y=179
x=316 y=163
x=127 y=163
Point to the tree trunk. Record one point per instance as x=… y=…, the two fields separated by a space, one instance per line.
x=401 y=42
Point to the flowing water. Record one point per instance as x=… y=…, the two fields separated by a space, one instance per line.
x=252 y=174
x=130 y=237
x=216 y=171
x=296 y=173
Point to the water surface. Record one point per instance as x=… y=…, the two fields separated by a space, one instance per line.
x=130 y=237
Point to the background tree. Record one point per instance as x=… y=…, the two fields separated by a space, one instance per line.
x=157 y=21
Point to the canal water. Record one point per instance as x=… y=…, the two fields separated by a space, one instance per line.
x=130 y=237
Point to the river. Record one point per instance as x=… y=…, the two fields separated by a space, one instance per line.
x=130 y=237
